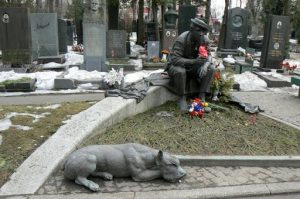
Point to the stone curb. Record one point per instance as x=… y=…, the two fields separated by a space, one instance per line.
x=207 y=193
x=247 y=161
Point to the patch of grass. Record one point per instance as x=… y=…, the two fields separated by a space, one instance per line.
x=220 y=132
x=18 y=144
x=23 y=79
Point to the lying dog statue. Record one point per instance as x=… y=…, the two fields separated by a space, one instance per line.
x=137 y=161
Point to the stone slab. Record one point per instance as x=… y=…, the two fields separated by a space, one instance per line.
x=62 y=35
x=273 y=82
x=47 y=59
x=16 y=36
x=276 y=33
x=242 y=66
x=44 y=30
x=61 y=83
x=116 y=44
x=237 y=28
x=94 y=41
x=153 y=66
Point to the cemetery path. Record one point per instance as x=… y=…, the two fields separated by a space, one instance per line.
x=282 y=106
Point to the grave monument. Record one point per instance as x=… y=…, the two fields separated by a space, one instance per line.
x=44 y=32
x=62 y=36
x=94 y=35
x=186 y=13
x=15 y=36
x=170 y=32
x=274 y=44
x=116 y=44
x=236 y=32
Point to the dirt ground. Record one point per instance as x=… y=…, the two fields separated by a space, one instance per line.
x=221 y=132
x=41 y=121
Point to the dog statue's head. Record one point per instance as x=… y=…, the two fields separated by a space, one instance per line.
x=169 y=166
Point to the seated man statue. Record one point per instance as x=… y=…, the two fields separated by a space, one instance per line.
x=189 y=72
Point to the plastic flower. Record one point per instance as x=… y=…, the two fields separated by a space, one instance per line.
x=114 y=77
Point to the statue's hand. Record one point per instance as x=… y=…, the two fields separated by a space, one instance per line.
x=199 y=61
x=204 y=68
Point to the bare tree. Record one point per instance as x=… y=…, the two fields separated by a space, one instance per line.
x=141 y=31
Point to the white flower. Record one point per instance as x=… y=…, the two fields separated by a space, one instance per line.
x=114 y=77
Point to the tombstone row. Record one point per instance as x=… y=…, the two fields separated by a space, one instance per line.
x=28 y=36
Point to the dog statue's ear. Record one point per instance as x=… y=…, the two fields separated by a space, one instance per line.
x=159 y=158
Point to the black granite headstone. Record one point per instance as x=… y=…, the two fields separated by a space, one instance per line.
x=70 y=32
x=186 y=13
x=116 y=44
x=151 y=31
x=62 y=36
x=15 y=36
x=275 y=39
x=237 y=28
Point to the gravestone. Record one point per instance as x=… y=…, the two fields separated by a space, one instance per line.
x=236 y=32
x=186 y=13
x=170 y=32
x=44 y=32
x=116 y=44
x=94 y=36
x=275 y=39
x=153 y=49
x=94 y=41
x=70 y=33
x=151 y=31
x=62 y=36
x=237 y=28
x=15 y=36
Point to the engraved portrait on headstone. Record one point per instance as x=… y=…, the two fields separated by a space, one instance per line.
x=5 y=18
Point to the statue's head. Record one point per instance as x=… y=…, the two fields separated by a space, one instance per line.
x=198 y=28
x=94 y=5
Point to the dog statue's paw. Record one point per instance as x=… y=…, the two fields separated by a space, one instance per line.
x=94 y=187
x=107 y=176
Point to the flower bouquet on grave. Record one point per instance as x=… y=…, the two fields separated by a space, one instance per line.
x=114 y=78
x=222 y=83
x=288 y=68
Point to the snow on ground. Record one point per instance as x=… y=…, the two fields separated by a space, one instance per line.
x=6 y=122
x=250 y=82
